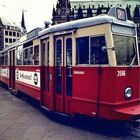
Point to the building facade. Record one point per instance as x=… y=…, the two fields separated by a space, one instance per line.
x=1 y=35
x=9 y=33
x=62 y=12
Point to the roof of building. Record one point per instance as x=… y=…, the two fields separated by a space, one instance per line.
x=7 y=22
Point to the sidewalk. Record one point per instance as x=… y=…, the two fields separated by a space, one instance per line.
x=19 y=120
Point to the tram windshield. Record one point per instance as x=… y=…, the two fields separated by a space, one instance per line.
x=126 y=52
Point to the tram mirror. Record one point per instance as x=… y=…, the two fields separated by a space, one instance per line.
x=104 y=49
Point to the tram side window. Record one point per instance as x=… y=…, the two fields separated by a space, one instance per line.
x=82 y=50
x=43 y=53
x=28 y=56
x=36 y=55
x=69 y=52
x=97 y=56
x=2 y=59
x=48 y=47
x=6 y=58
x=19 y=57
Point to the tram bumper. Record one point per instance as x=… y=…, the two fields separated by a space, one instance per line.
x=127 y=113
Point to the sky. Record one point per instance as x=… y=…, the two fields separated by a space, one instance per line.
x=35 y=11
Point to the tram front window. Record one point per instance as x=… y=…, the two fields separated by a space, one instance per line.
x=126 y=52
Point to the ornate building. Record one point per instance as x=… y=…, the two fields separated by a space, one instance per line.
x=62 y=12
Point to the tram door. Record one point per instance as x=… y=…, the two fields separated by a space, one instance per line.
x=45 y=83
x=63 y=74
x=12 y=70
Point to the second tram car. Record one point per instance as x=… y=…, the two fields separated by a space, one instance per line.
x=89 y=67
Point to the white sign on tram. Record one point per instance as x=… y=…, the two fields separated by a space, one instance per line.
x=28 y=77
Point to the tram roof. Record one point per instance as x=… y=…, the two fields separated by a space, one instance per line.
x=92 y=21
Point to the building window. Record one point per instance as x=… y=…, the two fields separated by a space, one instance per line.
x=10 y=40
x=17 y=34
x=14 y=40
x=14 y=33
x=6 y=40
x=10 y=33
x=6 y=32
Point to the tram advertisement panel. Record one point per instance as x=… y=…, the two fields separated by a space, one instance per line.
x=4 y=72
x=28 y=77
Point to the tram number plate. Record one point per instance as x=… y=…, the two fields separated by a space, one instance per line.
x=121 y=73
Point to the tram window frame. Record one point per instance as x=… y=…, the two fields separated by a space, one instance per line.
x=125 y=61
x=121 y=14
x=4 y=59
x=100 y=57
x=81 y=50
x=48 y=53
x=58 y=44
x=88 y=61
x=58 y=64
x=69 y=66
x=36 y=55
x=0 y=59
x=69 y=45
x=43 y=53
x=28 y=56
x=19 y=61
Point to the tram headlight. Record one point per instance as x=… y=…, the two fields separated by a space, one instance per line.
x=128 y=93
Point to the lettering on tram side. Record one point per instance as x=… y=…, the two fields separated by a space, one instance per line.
x=28 y=77
x=4 y=72
x=79 y=72
x=121 y=73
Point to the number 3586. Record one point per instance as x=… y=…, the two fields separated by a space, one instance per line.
x=121 y=73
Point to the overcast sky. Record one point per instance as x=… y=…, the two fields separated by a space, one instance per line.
x=36 y=11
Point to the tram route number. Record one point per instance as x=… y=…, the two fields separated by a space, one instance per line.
x=121 y=73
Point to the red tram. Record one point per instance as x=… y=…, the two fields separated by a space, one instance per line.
x=89 y=67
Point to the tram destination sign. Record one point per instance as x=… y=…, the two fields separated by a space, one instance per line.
x=123 y=30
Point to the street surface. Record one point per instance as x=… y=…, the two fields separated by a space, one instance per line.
x=21 y=120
